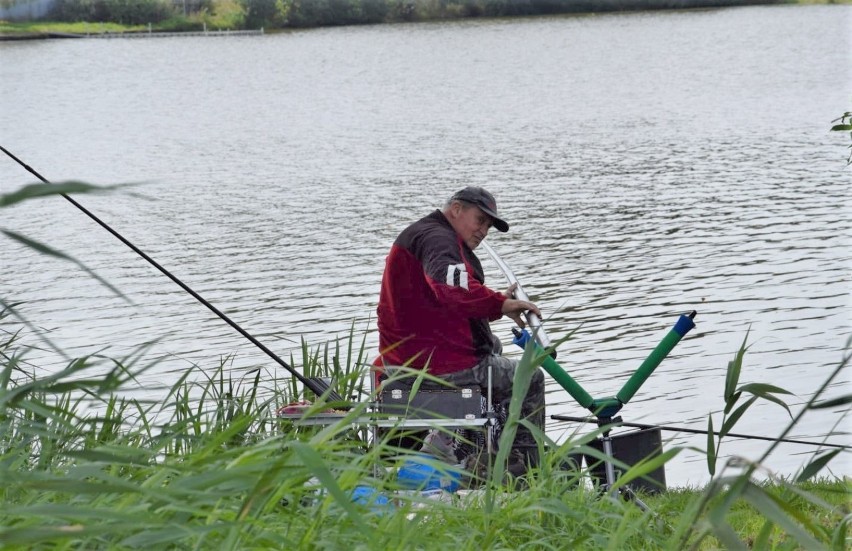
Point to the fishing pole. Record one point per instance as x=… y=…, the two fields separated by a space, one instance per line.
x=697 y=431
x=317 y=388
x=533 y=320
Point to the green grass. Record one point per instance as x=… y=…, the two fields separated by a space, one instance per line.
x=748 y=521
x=228 y=15
x=207 y=465
x=177 y=24
x=45 y=27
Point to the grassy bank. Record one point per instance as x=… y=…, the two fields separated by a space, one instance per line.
x=86 y=464
x=161 y=16
x=208 y=466
x=47 y=27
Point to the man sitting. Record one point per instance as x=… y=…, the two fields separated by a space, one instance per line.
x=434 y=308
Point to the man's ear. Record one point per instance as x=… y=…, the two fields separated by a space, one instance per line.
x=452 y=212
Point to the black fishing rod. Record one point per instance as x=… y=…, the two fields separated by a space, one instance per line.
x=316 y=387
x=696 y=431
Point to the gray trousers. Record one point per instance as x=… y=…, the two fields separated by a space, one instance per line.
x=502 y=373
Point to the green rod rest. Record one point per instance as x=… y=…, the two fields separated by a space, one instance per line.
x=555 y=370
x=567 y=382
x=681 y=328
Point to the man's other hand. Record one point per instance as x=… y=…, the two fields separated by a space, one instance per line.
x=510 y=292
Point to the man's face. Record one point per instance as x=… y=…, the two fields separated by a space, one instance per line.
x=470 y=223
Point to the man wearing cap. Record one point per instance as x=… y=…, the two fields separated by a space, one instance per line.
x=434 y=308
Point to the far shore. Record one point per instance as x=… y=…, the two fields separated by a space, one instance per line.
x=233 y=24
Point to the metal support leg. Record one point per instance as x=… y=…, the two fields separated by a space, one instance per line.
x=489 y=432
x=606 y=440
x=625 y=491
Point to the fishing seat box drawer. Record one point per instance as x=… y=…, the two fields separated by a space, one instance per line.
x=396 y=399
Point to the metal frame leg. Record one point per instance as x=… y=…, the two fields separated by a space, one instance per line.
x=606 y=440
x=625 y=492
x=489 y=433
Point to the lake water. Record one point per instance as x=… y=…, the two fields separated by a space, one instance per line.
x=649 y=163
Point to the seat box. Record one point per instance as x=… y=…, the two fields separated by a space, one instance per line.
x=397 y=399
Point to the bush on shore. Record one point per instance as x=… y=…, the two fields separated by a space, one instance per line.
x=137 y=12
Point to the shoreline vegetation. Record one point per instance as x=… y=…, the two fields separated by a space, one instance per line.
x=91 y=18
x=208 y=466
x=206 y=463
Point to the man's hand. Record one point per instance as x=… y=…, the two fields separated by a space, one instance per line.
x=514 y=308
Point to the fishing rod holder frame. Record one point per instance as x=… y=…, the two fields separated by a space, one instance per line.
x=629 y=448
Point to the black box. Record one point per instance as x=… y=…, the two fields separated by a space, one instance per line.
x=631 y=448
x=397 y=399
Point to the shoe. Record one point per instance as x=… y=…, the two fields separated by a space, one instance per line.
x=517 y=466
x=476 y=467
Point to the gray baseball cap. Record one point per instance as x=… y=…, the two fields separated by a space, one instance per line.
x=486 y=203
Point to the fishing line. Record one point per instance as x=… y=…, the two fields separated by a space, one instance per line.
x=317 y=388
x=698 y=431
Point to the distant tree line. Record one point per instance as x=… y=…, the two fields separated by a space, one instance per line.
x=127 y=12
x=312 y=13
x=273 y=14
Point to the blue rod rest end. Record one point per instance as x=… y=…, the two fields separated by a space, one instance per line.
x=521 y=338
x=683 y=325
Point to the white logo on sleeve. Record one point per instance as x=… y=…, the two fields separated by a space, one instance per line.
x=457 y=276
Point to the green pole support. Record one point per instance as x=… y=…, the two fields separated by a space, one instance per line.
x=683 y=325
x=555 y=370
x=567 y=382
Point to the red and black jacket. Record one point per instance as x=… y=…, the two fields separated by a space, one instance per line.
x=434 y=305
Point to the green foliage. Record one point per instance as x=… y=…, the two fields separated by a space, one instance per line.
x=314 y=13
x=82 y=28
x=261 y=13
x=797 y=527
x=845 y=125
x=126 y=12
x=208 y=466
x=38 y=190
x=33 y=191
x=732 y=395
x=180 y=24
x=211 y=15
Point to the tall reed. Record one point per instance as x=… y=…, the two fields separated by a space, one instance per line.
x=220 y=471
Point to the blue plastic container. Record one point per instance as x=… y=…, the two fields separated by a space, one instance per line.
x=371 y=497
x=423 y=473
